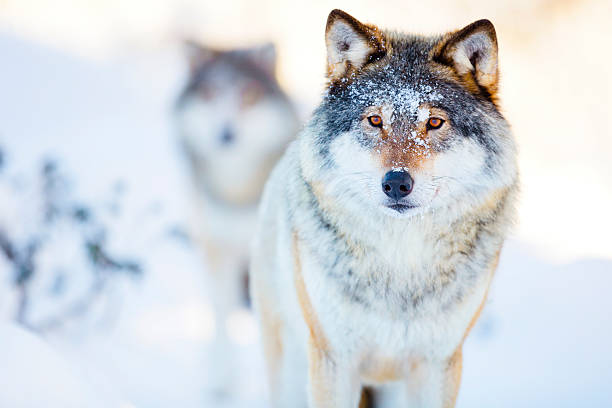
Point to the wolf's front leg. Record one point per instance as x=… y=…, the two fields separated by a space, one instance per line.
x=435 y=384
x=227 y=295
x=332 y=382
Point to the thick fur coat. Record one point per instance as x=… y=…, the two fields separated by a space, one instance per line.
x=359 y=283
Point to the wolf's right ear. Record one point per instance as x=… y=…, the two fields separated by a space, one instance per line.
x=198 y=55
x=264 y=57
x=350 y=44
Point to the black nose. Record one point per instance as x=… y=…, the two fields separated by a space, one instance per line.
x=397 y=184
x=227 y=136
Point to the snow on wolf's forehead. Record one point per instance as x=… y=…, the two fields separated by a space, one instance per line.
x=390 y=87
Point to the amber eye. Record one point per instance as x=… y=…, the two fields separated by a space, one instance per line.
x=375 y=120
x=434 y=123
x=251 y=94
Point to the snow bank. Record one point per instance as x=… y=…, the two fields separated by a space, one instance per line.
x=34 y=375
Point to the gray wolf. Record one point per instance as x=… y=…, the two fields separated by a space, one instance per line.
x=234 y=122
x=380 y=229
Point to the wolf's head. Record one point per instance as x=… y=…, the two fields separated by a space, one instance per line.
x=409 y=123
x=234 y=120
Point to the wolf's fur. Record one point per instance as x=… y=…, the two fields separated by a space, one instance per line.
x=350 y=290
x=234 y=122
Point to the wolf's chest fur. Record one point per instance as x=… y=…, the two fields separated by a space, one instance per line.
x=415 y=283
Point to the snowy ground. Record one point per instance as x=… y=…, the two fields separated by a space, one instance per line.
x=543 y=340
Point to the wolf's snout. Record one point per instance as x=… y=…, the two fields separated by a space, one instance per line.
x=397 y=184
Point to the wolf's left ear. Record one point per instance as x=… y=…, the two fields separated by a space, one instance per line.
x=472 y=53
x=350 y=44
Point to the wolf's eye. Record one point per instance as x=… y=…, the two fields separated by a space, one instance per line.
x=251 y=94
x=434 y=123
x=375 y=121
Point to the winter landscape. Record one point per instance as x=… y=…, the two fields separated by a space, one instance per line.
x=103 y=298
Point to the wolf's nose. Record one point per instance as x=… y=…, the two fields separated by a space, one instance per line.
x=227 y=136
x=397 y=184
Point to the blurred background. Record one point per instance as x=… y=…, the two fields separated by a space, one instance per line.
x=94 y=198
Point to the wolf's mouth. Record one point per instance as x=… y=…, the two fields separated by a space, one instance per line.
x=401 y=208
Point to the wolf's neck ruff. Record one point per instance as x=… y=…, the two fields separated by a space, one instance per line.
x=250 y=197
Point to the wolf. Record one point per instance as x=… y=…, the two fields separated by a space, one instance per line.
x=380 y=228
x=233 y=121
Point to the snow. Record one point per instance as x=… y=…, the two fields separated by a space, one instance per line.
x=39 y=376
x=422 y=114
x=542 y=341
x=406 y=100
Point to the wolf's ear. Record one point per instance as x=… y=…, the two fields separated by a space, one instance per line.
x=198 y=55
x=472 y=53
x=264 y=57
x=350 y=44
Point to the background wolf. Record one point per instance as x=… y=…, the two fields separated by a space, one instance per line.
x=381 y=227
x=234 y=122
